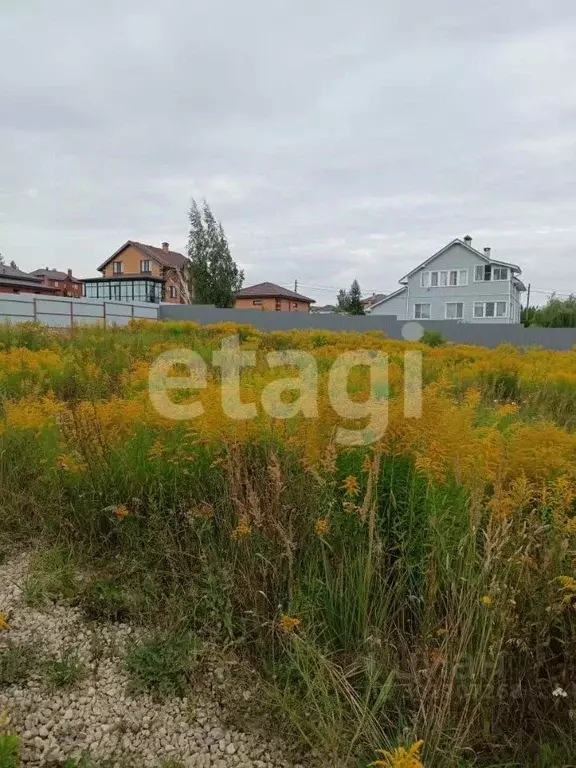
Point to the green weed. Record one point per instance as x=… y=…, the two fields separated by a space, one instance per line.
x=162 y=665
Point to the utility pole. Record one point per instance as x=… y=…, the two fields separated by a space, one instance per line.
x=528 y=298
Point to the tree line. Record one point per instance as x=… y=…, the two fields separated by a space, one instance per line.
x=556 y=313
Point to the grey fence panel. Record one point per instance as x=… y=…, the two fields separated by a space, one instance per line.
x=145 y=311
x=59 y=312
x=13 y=305
x=461 y=333
x=83 y=311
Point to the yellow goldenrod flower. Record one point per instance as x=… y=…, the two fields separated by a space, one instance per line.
x=242 y=529
x=486 y=600
x=4 y=626
x=156 y=450
x=120 y=512
x=69 y=463
x=436 y=657
x=400 y=757
x=289 y=623
x=203 y=510
x=568 y=585
x=367 y=463
x=351 y=486
x=322 y=526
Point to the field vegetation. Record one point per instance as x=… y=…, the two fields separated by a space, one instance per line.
x=422 y=588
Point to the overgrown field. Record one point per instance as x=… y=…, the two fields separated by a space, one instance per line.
x=420 y=588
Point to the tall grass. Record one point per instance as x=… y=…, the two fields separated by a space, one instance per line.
x=418 y=610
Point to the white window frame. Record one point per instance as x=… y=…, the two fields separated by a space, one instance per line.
x=422 y=304
x=484 y=316
x=454 y=304
x=116 y=271
x=440 y=275
x=500 y=279
x=493 y=267
x=143 y=262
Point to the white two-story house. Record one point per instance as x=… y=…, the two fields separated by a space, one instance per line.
x=457 y=283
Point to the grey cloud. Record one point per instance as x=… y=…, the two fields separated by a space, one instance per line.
x=333 y=142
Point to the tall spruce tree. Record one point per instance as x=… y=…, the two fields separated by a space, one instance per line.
x=213 y=274
x=350 y=302
x=355 y=299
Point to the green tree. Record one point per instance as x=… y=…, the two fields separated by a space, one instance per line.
x=350 y=302
x=556 y=313
x=355 y=299
x=212 y=273
x=13 y=264
x=342 y=301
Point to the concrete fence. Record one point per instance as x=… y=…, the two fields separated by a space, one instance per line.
x=451 y=330
x=60 y=312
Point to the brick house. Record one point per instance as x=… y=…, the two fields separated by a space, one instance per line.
x=13 y=280
x=270 y=296
x=139 y=272
x=64 y=283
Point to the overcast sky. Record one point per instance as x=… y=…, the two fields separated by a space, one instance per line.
x=333 y=139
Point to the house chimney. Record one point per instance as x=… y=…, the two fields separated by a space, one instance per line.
x=165 y=246
x=468 y=240
x=69 y=273
x=487 y=252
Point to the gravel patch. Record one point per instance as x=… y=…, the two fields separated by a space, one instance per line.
x=99 y=714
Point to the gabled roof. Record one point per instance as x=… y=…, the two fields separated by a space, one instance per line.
x=271 y=290
x=19 y=279
x=457 y=240
x=386 y=298
x=162 y=257
x=54 y=274
x=369 y=300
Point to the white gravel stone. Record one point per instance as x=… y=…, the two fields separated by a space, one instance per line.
x=100 y=714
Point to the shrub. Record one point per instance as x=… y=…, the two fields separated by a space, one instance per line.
x=433 y=338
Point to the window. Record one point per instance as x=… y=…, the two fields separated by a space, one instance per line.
x=486 y=272
x=117 y=268
x=173 y=293
x=422 y=311
x=444 y=278
x=454 y=310
x=145 y=266
x=490 y=309
x=56 y=284
x=257 y=302
x=499 y=273
x=278 y=306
